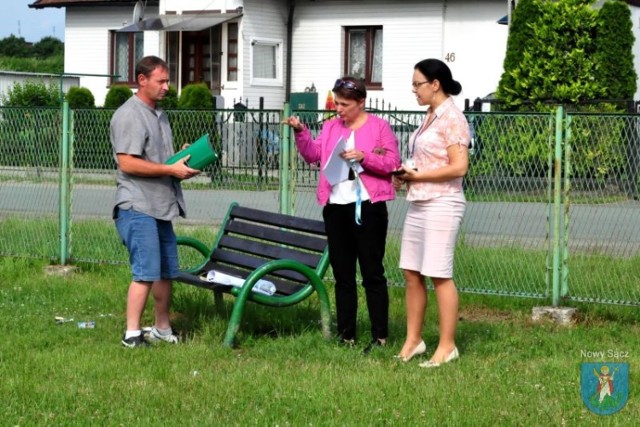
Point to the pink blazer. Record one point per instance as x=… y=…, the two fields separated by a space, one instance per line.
x=375 y=139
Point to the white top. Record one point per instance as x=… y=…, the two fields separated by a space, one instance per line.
x=344 y=192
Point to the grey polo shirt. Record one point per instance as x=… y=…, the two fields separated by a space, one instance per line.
x=141 y=131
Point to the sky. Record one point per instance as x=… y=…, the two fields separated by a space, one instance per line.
x=19 y=19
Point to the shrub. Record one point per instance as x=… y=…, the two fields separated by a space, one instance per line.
x=196 y=96
x=80 y=97
x=117 y=95
x=32 y=94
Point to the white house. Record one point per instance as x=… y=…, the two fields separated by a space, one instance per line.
x=251 y=49
x=240 y=48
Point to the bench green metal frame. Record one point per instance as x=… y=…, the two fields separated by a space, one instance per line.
x=252 y=244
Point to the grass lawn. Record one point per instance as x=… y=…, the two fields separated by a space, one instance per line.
x=511 y=371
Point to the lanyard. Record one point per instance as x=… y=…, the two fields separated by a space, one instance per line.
x=423 y=127
x=354 y=168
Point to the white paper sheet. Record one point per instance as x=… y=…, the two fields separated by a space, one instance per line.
x=262 y=286
x=336 y=169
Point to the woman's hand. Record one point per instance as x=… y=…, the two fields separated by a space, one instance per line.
x=352 y=155
x=397 y=182
x=294 y=122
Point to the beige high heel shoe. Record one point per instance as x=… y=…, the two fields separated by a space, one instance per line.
x=419 y=349
x=450 y=358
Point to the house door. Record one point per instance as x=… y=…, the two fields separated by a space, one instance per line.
x=201 y=58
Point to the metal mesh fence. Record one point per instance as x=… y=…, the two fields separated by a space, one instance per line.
x=508 y=189
x=29 y=181
x=602 y=208
x=507 y=241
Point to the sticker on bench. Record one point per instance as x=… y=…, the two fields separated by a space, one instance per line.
x=262 y=286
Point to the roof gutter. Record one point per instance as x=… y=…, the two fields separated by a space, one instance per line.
x=287 y=87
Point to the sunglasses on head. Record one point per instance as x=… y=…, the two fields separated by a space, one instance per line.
x=347 y=84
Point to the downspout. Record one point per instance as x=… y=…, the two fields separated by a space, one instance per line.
x=287 y=88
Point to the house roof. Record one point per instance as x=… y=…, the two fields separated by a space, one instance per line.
x=41 y=4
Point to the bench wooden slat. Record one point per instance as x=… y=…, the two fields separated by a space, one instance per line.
x=280 y=220
x=276 y=235
x=268 y=251
x=250 y=263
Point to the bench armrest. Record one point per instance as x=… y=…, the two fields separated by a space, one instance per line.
x=196 y=244
x=243 y=294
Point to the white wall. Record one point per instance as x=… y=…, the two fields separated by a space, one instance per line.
x=478 y=44
x=412 y=30
x=196 y=5
x=262 y=19
x=87 y=43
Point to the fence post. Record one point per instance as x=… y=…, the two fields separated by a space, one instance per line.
x=65 y=194
x=477 y=104
x=557 y=204
x=285 y=202
x=564 y=278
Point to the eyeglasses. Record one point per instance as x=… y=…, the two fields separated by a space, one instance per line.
x=416 y=85
x=347 y=84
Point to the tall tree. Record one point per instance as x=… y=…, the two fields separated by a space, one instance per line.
x=48 y=46
x=556 y=61
x=614 y=46
x=521 y=33
x=14 y=46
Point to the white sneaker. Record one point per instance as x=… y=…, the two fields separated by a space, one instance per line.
x=153 y=335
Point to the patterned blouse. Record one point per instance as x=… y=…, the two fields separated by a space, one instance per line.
x=428 y=146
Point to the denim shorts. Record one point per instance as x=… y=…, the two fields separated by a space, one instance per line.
x=152 y=246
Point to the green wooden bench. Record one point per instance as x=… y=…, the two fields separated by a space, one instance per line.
x=252 y=245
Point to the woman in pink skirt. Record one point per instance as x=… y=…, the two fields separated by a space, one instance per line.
x=433 y=176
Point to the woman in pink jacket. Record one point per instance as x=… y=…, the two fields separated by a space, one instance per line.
x=354 y=208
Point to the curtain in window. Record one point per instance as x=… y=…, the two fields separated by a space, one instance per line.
x=124 y=62
x=357 y=53
x=376 y=68
x=264 y=61
x=121 y=57
x=138 y=49
x=232 y=52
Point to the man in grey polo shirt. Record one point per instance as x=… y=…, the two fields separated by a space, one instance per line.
x=148 y=198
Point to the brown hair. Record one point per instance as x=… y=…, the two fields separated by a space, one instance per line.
x=149 y=63
x=350 y=88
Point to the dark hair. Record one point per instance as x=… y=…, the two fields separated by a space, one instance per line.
x=434 y=69
x=149 y=63
x=350 y=88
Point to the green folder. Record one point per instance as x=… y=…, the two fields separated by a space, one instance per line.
x=202 y=154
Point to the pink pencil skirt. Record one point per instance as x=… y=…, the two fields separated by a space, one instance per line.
x=429 y=235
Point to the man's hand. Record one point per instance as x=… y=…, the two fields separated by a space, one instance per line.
x=181 y=169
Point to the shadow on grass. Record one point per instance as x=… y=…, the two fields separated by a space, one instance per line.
x=196 y=314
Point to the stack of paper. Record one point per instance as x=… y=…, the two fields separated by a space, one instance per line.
x=262 y=286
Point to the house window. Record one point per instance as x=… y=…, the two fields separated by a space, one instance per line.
x=127 y=49
x=363 y=56
x=266 y=62
x=232 y=52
